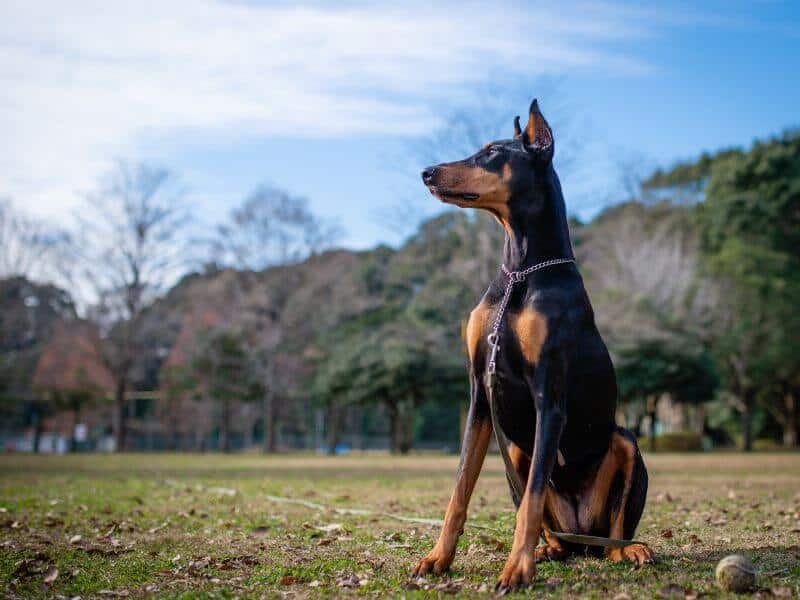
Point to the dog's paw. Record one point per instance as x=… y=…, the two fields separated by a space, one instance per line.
x=436 y=562
x=638 y=554
x=519 y=572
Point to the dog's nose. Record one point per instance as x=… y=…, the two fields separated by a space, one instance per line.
x=427 y=174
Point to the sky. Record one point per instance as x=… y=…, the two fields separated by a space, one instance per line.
x=330 y=99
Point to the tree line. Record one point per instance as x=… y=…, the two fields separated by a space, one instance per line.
x=694 y=279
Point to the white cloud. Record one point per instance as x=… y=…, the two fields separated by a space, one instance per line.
x=83 y=81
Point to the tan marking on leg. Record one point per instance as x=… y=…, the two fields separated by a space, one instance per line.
x=441 y=556
x=559 y=513
x=530 y=328
x=520 y=460
x=594 y=505
x=520 y=568
x=639 y=554
x=476 y=326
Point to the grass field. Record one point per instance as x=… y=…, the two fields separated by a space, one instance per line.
x=206 y=526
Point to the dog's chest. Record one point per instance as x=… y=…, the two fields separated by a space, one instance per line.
x=523 y=333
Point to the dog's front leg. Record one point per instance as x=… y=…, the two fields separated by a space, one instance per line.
x=547 y=390
x=477 y=433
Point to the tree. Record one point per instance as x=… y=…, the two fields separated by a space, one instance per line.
x=271 y=227
x=396 y=365
x=132 y=227
x=33 y=248
x=751 y=243
x=70 y=374
x=651 y=368
x=225 y=372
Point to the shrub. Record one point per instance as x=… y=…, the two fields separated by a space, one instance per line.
x=679 y=441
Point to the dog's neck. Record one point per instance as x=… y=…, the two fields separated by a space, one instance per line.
x=535 y=238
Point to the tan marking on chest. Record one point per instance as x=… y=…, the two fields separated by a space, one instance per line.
x=476 y=325
x=530 y=327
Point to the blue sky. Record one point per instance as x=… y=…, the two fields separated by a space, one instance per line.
x=329 y=99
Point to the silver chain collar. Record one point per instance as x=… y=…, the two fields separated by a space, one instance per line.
x=513 y=277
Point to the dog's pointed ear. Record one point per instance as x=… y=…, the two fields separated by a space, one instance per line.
x=517 y=128
x=537 y=137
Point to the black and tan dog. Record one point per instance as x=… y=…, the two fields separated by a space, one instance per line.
x=555 y=390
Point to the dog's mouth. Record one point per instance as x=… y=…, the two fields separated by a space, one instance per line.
x=446 y=194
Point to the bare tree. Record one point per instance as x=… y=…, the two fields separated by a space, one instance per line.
x=33 y=248
x=644 y=272
x=271 y=227
x=131 y=226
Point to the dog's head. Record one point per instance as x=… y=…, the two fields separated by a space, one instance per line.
x=500 y=172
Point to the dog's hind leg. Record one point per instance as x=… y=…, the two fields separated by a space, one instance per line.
x=615 y=501
x=477 y=434
x=627 y=507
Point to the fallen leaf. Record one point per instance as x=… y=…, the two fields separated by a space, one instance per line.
x=449 y=587
x=158 y=528
x=289 y=580
x=315 y=583
x=50 y=576
x=200 y=564
x=673 y=590
x=666 y=533
x=347 y=581
x=498 y=545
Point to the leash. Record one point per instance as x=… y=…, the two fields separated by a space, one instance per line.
x=514 y=480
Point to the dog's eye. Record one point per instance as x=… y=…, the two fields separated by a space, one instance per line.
x=494 y=151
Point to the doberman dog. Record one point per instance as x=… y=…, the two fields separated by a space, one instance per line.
x=555 y=390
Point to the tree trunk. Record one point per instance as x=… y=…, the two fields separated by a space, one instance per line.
x=224 y=426
x=790 y=433
x=652 y=403
x=73 y=441
x=173 y=407
x=747 y=422
x=333 y=430
x=406 y=441
x=37 y=432
x=120 y=417
x=268 y=417
x=394 y=427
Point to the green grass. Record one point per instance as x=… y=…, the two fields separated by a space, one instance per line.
x=193 y=526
